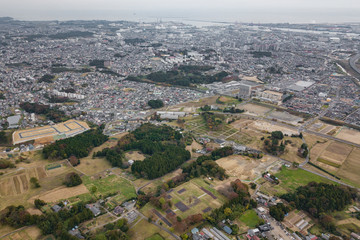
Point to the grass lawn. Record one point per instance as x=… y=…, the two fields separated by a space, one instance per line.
x=250 y=218
x=145 y=230
x=155 y=237
x=111 y=184
x=291 y=179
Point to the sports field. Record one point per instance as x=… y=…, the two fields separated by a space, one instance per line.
x=51 y=132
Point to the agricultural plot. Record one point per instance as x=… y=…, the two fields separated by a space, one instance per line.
x=341 y=159
x=298 y=221
x=349 y=134
x=20 y=182
x=60 y=193
x=30 y=233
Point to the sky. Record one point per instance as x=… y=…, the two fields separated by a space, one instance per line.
x=227 y=10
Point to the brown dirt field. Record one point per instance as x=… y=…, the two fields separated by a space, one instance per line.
x=317 y=149
x=34 y=211
x=194 y=145
x=262 y=125
x=255 y=109
x=339 y=148
x=350 y=135
x=225 y=99
x=242 y=167
x=134 y=155
x=349 y=221
x=351 y=167
x=91 y=166
x=61 y=193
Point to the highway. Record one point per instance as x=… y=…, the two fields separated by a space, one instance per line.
x=352 y=62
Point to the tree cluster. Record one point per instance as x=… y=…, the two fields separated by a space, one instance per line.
x=185 y=76
x=272 y=145
x=156 y=103
x=53 y=114
x=114 y=155
x=79 y=145
x=72 y=179
x=164 y=144
x=161 y=163
x=319 y=198
x=6 y=164
x=47 y=78
x=233 y=110
x=279 y=211
x=213 y=122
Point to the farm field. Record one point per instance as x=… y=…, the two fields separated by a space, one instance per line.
x=349 y=134
x=60 y=193
x=30 y=233
x=341 y=159
x=16 y=190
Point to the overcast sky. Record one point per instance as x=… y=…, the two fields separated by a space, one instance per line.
x=77 y=9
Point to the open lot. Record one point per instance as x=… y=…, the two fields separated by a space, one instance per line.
x=255 y=109
x=290 y=179
x=250 y=218
x=245 y=168
x=60 y=130
x=110 y=185
x=135 y=155
x=145 y=230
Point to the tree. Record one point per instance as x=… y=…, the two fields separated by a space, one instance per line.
x=34 y=182
x=72 y=179
x=227 y=211
x=74 y=161
x=39 y=203
x=277 y=135
x=3 y=137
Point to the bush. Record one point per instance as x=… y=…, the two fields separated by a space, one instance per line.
x=34 y=182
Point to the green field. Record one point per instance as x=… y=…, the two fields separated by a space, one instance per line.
x=291 y=179
x=155 y=237
x=111 y=185
x=250 y=218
